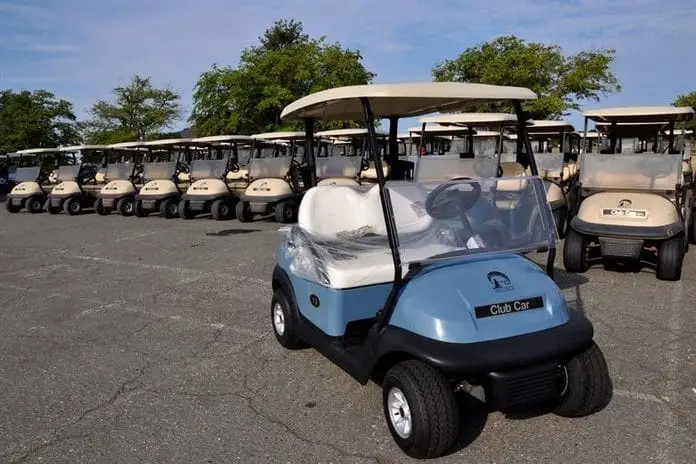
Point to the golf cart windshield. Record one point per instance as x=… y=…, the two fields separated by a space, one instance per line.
x=208 y=168
x=67 y=173
x=121 y=171
x=25 y=174
x=443 y=221
x=269 y=167
x=549 y=162
x=337 y=166
x=631 y=171
x=445 y=167
x=159 y=170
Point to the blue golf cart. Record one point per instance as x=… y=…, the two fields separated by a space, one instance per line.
x=383 y=281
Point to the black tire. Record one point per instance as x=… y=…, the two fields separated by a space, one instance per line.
x=34 y=205
x=139 y=211
x=72 y=206
x=169 y=208
x=575 y=252
x=126 y=206
x=588 y=387
x=670 y=257
x=285 y=212
x=560 y=217
x=243 y=212
x=692 y=229
x=221 y=210
x=184 y=210
x=12 y=208
x=432 y=407
x=284 y=329
x=100 y=209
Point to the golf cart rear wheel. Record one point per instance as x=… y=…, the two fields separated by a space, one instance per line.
x=692 y=229
x=285 y=212
x=420 y=409
x=139 y=210
x=586 y=385
x=283 y=321
x=669 y=259
x=72 y=206
x=185 y=210
x=12 y=208
x=560 y=216
x=100 y=209
x=34 y=205
x=221 y=209
x=575 y=252
x=169 y=208
x=243 y=212
x=126 y=206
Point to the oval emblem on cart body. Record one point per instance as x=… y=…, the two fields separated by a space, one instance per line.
x=625 y=203
x=314 y=300
x=499 y=281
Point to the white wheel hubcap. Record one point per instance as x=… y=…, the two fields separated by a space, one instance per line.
x=278 y=319
x=399 y=412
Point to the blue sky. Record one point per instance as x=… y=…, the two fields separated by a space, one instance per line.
x=81 y=49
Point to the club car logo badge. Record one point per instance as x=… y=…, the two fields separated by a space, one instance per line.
x=499 y=281
x=625 y=203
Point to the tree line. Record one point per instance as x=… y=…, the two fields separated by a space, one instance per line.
x=285 y=65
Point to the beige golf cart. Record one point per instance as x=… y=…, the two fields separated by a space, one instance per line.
x=35 y=177
x=77 y=187
x=210 y=191
x=276 y=178
x=341 y=157
x=123 y=179
x=165 y=176
x=633 y=205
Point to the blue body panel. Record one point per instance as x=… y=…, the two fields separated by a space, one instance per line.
x=439 y=302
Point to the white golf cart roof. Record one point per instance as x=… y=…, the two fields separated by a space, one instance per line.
x=440 y=130
x=471 y=118
x=164 y=142
x=591 y=134
x=285 y=135
x=84 y=147
x=138 y=143
x=222 y=138
x=403 y=100
x=38 y=151
x=641 y=114
x=352 y=132
x=550 y=126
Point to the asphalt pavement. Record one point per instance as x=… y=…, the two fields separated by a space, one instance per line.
x=146 y=340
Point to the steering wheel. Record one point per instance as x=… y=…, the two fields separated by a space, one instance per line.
x=364 y=164
x=234 y=167
x=87 y=173
x=182 y=167
x=449 y=201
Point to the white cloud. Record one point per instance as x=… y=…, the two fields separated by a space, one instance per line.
x=175 y=41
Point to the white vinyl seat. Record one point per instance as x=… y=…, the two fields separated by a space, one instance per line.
x=337 y=216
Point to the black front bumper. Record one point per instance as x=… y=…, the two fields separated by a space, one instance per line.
x=203 y=202
x=627 y=232
x=109 y=200
x=264 y=204
x=152 y=202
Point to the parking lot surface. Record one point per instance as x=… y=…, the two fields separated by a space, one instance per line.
x=131 y=340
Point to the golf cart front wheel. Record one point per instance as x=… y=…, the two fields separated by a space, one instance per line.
x=126 y=206
x=283 y=321
x=139 y=210
x=185 y=210
x=692 y=229
x=72 y=206
x=560 y=217
x=12 y=208
x=243 y=212
x=420 y=409
x=285 y=212
x=575 y=252
x=100 y=208
x=169 y=208
x=34 y=205
x=221 y=209
x=586 y=386
x=670 y=257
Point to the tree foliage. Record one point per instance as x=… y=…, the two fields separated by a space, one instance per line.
x=139 y=111
x=286 y=65
x=35 y=120
x=562 y=82
x=688 y=99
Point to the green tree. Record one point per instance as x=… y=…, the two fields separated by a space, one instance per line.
x=35 y=120
x=562 y=82
x=688 y=99
x=286 y=65
x=139 y=111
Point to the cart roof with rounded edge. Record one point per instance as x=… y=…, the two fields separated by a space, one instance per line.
x=467 y=163
x=393 y=215
x=645 y=171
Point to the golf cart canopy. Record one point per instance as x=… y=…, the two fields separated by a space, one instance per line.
x=471 y=119
x=126 y=145
x=286 y=135
x=345 y=133
x=402 y=100
x=634 y=114
x=168 y=142
x=551 y=127
x=216 y=139
x=76 y=148
x=38 y=151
